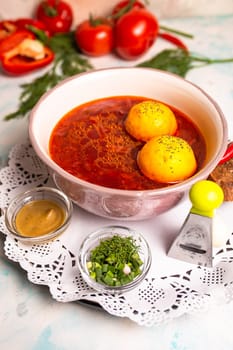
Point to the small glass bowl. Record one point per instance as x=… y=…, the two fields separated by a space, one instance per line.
x=38 y=193
x=93 y=240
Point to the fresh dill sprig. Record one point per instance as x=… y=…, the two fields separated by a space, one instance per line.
x=179 y=61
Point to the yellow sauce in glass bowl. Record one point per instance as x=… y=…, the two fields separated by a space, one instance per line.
x=39 y=217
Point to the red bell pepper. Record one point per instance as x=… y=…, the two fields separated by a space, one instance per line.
x=19 y=53
x=18 y=65
x=27 y=23
x=7 y=27
x=13 y=40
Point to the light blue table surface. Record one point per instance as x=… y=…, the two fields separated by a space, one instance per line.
x=31 y=320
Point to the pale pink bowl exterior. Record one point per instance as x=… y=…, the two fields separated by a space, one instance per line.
x=163 y=86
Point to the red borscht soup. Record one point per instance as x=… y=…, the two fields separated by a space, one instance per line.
x=91 y=143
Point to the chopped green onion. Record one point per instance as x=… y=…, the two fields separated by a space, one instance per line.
x=115 y=261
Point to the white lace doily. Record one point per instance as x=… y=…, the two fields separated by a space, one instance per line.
x=171 y=288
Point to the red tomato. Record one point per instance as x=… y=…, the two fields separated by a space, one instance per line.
x=95 y=37
x=57 y=15
x=135 y=32
x=127 y=5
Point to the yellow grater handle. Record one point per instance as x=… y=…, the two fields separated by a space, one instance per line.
x=205 y=196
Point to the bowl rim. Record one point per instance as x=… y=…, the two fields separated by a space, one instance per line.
x=181 y=186
x=105 y=232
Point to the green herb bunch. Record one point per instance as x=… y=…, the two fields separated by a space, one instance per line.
x=69 y=61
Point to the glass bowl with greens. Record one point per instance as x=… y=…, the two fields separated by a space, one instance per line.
x=114 y=259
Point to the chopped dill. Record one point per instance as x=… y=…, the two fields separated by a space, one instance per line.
x=115 y=261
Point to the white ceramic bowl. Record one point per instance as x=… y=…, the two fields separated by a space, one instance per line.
x=150 y=83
